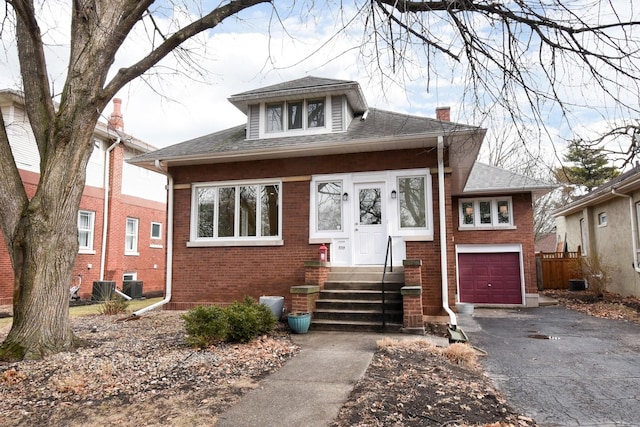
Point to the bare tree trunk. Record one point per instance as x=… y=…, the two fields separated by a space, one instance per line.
x=43 y=251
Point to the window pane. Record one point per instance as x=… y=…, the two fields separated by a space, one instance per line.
x=226 y=211
x=269 y=209
x=85 y=230
x=413 y=206
x=370 y=206
x=206 y=203
x=467 y=213
x=329 y=205
x=248 y=211
x=156 y=230
x=131 y=238
x=315 y=111
x=295 y=115
x=485 y=212
x=504 y=215
x=274 y=118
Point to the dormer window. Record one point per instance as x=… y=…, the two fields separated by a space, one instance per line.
x=274 y=117
x=315 y=116
x=295 y=115
x=295 y=119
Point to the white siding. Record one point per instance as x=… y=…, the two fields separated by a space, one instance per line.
x=143 y=183
x=337 y=114
x=95 y=167
x=254 y=122
x=23 y=144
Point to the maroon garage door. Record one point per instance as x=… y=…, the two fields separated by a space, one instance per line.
x=490 y=278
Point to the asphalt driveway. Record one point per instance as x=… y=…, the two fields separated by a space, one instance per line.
x=561 y=367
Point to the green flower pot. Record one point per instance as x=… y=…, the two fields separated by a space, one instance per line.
x=299 y=322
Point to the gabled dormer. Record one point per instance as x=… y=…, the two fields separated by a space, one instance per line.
x=305 y=106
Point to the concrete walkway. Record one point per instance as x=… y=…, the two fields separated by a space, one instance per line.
x=310 y=389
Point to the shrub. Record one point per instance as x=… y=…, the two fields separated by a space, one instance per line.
x=595 y=270
x=249 y=319
x=238 y=322
x=114 y=305
x=205 y=325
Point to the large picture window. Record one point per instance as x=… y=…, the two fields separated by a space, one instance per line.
x=230 y=211
x=485 y=213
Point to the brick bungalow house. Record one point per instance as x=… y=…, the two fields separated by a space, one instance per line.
x=254 y=206
x=121 y=225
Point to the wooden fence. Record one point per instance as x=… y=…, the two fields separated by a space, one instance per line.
x=554 y=269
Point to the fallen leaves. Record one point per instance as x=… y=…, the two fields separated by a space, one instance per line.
x=414 y=383
x=136 y=373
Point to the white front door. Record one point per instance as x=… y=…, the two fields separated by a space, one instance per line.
x=370 y=232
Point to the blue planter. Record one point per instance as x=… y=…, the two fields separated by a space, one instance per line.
x=299 y=322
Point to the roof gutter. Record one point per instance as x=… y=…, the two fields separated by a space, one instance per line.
x=169 y=261
x=634 y=244
x=443 y=235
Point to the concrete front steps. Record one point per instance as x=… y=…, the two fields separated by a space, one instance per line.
x=352 y=300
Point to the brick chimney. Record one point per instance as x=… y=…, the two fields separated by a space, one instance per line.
x=443 y=114
x=115 y=121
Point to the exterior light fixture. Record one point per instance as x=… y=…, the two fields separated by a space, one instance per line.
x=394 y=194
x=345 y=197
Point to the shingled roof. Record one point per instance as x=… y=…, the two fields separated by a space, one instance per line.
x=486 y=179
x=379 y=127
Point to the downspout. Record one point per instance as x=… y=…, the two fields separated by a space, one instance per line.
x=105 y=216
x=443 y=235
x=169 y=260
x=634 y=243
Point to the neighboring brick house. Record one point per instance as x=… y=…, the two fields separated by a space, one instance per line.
x=133 y=246
x=605 y=222
x=314 y=165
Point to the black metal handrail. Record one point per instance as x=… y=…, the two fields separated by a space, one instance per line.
x=387 y=257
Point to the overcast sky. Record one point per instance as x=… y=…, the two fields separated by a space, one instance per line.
x=244 y=53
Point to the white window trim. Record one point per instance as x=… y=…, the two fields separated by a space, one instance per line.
x=391 y=180
x=495 y=225
x=134 y=251
x=294 y=132
x=134 y=275
x=195 y=241
x=88 y=249
x=413 y=233
x=582 y=224
x=602 y=223
x=151 y=231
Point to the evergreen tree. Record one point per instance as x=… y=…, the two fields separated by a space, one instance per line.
x=588 y=166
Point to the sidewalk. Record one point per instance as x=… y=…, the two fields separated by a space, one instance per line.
x=310 y=389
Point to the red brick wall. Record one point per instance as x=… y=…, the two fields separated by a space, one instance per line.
x=223 y=274
x=522 y=234
x=150 y=264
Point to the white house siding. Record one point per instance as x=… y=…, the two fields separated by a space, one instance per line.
x=139 y=182
x=95 y=167
x=21 y=139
